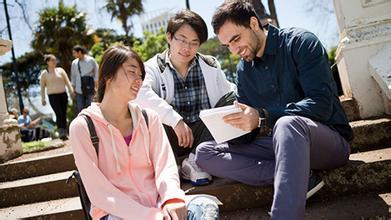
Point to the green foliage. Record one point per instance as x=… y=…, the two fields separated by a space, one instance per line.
x=331 y=55
x=227 y=60
x=33 y=146
x=152 y=45
x=124 y=10
x=71 y=111
x=97 y=51
x=58 y=30
x=107 y=37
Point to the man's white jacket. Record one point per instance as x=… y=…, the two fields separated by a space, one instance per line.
x=157 y=91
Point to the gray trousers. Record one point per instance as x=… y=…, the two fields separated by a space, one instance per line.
x=297 y=145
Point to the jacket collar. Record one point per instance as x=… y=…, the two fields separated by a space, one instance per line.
x=162 y=60
x=271 y=41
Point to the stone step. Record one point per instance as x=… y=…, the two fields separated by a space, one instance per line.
x=67 y=208
x=368 y=135
x=366 y=172
x=351 y=108
x=37 y=189
x=371 y=134
x=364 y=206
x=369 y=171
x=20 y=169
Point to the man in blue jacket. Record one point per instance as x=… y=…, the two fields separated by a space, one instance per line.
x=290 y=105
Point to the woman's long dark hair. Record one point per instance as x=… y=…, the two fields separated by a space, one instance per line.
x=112 y=60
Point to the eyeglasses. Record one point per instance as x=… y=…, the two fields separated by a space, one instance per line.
x=184 y=43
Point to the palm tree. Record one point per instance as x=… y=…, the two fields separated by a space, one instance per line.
x=124 y=10
x=58 y=30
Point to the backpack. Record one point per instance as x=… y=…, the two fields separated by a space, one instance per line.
x=85 y=201
x=87 y=83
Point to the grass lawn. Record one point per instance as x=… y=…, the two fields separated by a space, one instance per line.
x=35 y=146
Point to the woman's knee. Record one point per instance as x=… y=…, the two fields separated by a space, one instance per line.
x=203 y=208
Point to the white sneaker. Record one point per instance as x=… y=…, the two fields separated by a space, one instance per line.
x=190 y=171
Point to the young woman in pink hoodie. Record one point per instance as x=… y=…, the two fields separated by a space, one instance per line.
x=135 y=174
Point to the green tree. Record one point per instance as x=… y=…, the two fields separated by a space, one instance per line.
x=29 y=67
x=124 y=10
x=151 y=45
x=104 y=38
x=58 y=30
x=227 y=60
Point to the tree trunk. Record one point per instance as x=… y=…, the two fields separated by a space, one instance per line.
x=262 y=14
x=259 y=8
x=273 y=13
x=187 y=5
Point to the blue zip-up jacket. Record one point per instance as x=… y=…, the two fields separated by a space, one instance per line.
x=293 y=77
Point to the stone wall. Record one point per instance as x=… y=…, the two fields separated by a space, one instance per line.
x=365 y=28
x=10 y=143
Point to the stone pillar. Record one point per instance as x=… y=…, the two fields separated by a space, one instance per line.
x=10 y=143
x=365 y=29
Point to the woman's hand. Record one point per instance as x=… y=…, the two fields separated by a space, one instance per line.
x=175 y=211
x=43 y=102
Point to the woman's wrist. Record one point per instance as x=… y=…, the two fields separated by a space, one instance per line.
x=170 y=201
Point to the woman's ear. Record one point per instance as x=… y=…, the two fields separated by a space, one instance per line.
x=108 y=82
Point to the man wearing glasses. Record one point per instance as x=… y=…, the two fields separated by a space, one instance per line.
x=179 y=83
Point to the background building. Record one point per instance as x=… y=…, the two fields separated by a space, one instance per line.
x=155 y=20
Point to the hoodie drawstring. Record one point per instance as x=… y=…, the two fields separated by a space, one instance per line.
x=114 y=147
x=133 y=109
x=147 y=144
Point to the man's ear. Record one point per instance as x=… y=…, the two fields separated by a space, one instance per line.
x=254 y=23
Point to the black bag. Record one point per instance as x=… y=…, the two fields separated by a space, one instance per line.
x=85 y=201
x=87 y=83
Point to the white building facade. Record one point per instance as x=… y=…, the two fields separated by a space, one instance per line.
x=156 y=20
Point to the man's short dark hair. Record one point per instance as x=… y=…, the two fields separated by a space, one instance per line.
x=238 y=12
x=191 y=18
x=79 y=48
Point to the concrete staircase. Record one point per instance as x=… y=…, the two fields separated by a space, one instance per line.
x=36 y=189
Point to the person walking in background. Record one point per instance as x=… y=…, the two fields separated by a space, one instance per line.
x=135 y=175
x=179 y=84
x=55 y=80
x=84 y=75
x=290 y=104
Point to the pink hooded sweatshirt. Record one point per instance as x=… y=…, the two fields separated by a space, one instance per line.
x=130 y=182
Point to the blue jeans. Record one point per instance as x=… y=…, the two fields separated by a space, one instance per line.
x=82 y=101
x=200 y=208
x=284 y=159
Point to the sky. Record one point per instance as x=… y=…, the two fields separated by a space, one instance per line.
x=316 y=16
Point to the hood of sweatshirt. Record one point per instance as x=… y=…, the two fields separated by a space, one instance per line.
x=98 y=119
